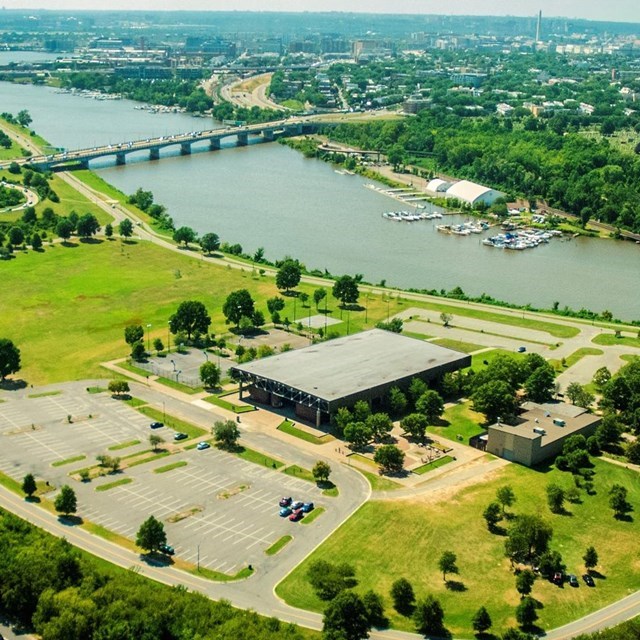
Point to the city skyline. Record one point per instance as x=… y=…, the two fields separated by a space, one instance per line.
x=624 y=11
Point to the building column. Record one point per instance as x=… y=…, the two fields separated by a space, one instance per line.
x=318 y=418
x=240 y=391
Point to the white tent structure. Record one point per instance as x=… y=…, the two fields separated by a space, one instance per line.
x=472 y=193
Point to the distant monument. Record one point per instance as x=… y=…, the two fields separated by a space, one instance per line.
x=538 y=26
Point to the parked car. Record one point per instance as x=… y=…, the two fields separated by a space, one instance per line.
x=588 y=580
x=202 y=445
x=307 y=506
x=522 y=349
x=297 y=505
x=156 y=425
x=180 y=436
x=573 y=581
x=167 y=549
x=285 y=511
x=296 y=515
x=285 y=502
x=558 y=578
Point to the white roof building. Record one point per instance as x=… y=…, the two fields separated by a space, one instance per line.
x=472 y=193
x=438 y=186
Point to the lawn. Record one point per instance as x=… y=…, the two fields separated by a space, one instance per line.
x=378 y=483
x=610 y=340
x=114 y=484
x=99 y=290
x=457 y=345
x=298 y=472
x=460 y=423
x=430 y=466
x=278 y=545
x=478 y=360
x=289 y=427
x=250 y=455
x=192 y=430
x=529 y=322
x=422 y=531
x=575 y=357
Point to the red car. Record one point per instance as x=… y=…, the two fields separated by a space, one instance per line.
x=296 y=515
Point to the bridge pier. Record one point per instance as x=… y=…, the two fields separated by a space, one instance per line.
x=185 y=148
x=154 y=154
x=243 y=139
x=121 y=158
x=268 y=135
x=84 y=164
x=214 y=144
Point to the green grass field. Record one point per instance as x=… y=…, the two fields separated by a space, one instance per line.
x=575 y=357
x=463 y=423
x=289 y=427
x=430 y=466
x=610 y=340
x=371 y=543
x=457 y=345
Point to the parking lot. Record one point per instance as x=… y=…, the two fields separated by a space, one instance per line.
x=218 y=508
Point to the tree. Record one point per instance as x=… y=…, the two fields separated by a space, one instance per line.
x=133 y=333
x=319 y=295
x=618 y=501
x=275 y=304
x=155 y=440
x=346 y=290
x=328 y=580
x=108 y=230
x=66 y=501
x=431 y=405
x=36 y=242
x=495 y=399
x=87 y=226
x=24 y=118
x=390 y=458
x=526 y=613
x=125 y=228
x=29 y=485
x=9 y=358
x=190 y=317
x=447 y=564
x=416 y=388
x=446 y=318
x=226 y=434
x=357 y=434
x=239 y=304
x=428 y=617
x=151 y=535
x=184 y=234
x=540 y=385
x=288 y=275
x=158 y=345
x=396 y=401
x=481 y=621
x=64 y=229
x=609 y=430
x=415 y=424
x=528 y=537
x=346 y=618
x=16 y=236
x=555 y=498
x=402 y=596
x=524 y=582
x=550 y=562
x=209 y=243
x=374 y=606
x=380 y=425
x=118 y=387
x=321 y=471
x=601 y=377
x=209 y=374
x=590 y=558
x=138 y=351
x=492 y=515
x=505 y=496
x=632 y=451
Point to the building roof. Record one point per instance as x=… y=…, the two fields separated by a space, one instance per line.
x=437 y=184
x=354 y=364
x=542 y=416
x=468 y=191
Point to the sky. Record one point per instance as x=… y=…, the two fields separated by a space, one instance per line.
x=614 y=10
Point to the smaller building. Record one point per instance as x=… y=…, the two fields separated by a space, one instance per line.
x=472 y=193
x=540 y=432
x=437 y=185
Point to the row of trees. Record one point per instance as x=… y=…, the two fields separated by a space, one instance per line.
x=49 y=586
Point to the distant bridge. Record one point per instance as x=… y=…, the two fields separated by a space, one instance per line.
x=80 y=158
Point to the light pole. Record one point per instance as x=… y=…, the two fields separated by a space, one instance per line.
x=198 y=563
x=178 y=375
x=168 y=337
x=206 y=355
x=164 y=413
x=348 y=319
x=173 y=362
x=149 y=338
x=295 y=298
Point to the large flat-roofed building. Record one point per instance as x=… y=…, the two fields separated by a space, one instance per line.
x=540 y=432
x=323 y=377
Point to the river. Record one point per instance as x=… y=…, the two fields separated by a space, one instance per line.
x=266 y=195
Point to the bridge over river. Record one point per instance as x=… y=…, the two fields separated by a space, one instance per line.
x=80 y=158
